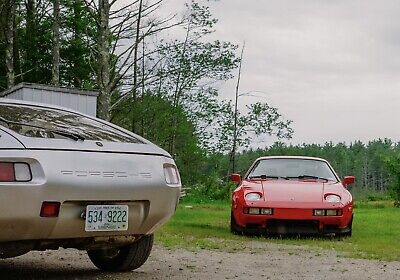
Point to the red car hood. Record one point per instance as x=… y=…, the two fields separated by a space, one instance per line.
x=294 y=190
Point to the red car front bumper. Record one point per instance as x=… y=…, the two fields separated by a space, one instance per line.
x=298 y=218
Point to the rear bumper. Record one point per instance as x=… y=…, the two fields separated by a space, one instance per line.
x=23 y=222
x=77 y=179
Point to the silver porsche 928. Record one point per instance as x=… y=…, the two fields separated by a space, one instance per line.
x=73 y=181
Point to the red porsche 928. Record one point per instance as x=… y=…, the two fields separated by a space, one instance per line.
x=292 y=195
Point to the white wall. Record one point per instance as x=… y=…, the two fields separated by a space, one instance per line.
x=86 y=104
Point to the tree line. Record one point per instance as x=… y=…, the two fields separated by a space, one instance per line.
x=376 y=166
x=372 y=163
x=157 y=76
x=156 y=73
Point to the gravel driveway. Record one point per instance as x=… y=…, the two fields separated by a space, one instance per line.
x=259 y=261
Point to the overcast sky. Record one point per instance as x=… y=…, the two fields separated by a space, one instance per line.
x=331 y=66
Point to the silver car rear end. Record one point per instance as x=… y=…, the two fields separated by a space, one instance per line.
x=76 y=179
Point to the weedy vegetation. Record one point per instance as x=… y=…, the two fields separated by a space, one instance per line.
x=206 y=226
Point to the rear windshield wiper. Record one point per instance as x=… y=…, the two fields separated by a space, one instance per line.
x=263 y=177
x=4 y=120
x=71 y=135
x=68 y=134
x=310 y=177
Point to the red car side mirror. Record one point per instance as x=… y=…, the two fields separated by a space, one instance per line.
x=236 y=178
x=348 y=180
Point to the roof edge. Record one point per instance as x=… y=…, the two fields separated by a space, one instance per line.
x=49 y=88
x=292 y=157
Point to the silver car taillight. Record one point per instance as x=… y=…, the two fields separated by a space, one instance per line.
x=15 y=172
x=171 y=174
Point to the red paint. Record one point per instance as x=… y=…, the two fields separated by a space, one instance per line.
x=236 y=178
x=293 y=199
x=348 y=180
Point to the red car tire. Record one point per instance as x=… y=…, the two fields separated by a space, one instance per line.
x=349 y=229
x=235 y=228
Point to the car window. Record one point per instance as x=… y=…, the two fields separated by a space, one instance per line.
x=292 y=168
x=42 y=122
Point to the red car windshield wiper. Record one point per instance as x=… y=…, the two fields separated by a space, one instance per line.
x=264 y=177
x=310 y=177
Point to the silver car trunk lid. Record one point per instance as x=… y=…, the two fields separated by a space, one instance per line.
x=41 y=127
x=89 y=145
x=7 y=141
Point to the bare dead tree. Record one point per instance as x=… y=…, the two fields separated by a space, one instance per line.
x=116 y=55
x=135 y=61
x=232 y=157
x=136 y=46
x=178 y=91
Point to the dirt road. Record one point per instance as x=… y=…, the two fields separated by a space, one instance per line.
x=259 y=261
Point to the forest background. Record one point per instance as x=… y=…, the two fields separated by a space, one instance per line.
x=158 y=75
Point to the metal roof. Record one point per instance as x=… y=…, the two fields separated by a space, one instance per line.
x=48 y=88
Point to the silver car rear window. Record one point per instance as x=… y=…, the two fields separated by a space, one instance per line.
x=40 y=122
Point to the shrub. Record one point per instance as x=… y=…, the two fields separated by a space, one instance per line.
x=212 y=189
x=393 y=164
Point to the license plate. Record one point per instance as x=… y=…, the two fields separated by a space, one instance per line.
x=106 y=218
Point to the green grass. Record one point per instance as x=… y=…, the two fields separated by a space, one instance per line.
x=376 y=232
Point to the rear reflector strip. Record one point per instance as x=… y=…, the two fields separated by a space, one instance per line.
x=50 y=209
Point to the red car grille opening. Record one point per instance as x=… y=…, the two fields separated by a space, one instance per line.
x=292 y=226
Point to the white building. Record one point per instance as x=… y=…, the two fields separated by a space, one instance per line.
x=80 y=100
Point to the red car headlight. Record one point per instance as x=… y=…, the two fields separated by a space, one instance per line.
x=333 y=198
x=253 y=196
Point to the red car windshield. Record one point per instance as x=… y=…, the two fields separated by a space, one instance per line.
x=292 y=168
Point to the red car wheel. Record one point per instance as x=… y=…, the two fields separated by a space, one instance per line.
x=235 y=228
